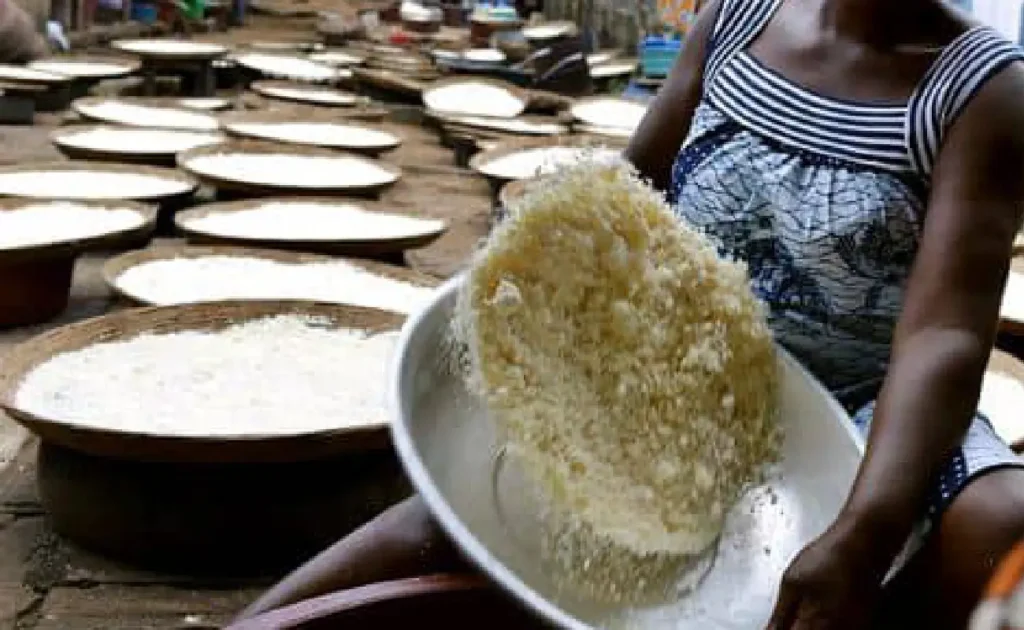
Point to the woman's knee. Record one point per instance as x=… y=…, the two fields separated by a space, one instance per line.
x=978 y=529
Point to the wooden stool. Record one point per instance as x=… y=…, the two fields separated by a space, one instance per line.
x=1002 y=398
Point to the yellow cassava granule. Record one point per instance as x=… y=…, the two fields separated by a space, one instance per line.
x=629 y=369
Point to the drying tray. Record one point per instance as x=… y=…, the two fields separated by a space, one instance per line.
x=508 y=147
x=185 y=184
x=389 y=81
x=230 y=125
x=125 y=66
x=517 y=93
x=188 y=50
x=339 y=57
x=575 y=109
x=332 y=75
x=259 y=188
x=449 y=447
x=305 y=93
x=548 y=31
x=116 y=266
x=10 y=73
x=142 y=154
x=126 y=324
x=83 y=107
x=73 y=247
x=500 y=127
x=201 y=103
x=614 y=69
x=35 y=280
x=362 y=247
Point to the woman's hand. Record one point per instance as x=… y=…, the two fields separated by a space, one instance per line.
x=833 y=584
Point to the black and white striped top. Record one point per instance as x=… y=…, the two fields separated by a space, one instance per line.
x=903 y=138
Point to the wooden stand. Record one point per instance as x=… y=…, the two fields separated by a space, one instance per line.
x=199 y=73
x=215 y=519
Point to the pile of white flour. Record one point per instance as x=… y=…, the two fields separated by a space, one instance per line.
x=280 y=375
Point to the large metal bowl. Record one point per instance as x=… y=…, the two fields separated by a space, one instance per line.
x=448 y=447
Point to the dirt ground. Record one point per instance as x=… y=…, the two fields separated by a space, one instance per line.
x=47 y=583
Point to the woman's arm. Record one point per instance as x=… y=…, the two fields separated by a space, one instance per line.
x=655 y=143
x=402 y=542
x=950 y=315
x=940 y=349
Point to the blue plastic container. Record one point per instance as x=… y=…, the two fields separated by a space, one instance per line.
x=657 y=55
x=144 y=12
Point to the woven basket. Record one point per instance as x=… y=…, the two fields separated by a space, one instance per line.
x=389 y=82
x=263 y=88
x=213 y=316
x=359 y=248
x=114 y=267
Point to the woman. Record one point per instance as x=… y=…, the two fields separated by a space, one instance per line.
x=866 y=158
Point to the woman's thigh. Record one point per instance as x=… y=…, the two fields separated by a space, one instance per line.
x=944 y=581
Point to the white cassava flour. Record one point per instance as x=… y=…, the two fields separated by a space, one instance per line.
x=292 y=170
x=510 y=125
x=287 y=67
x=212 y=278
x=81 y=68
x=59 y=221
x=628 y=369
x=606 y=70
x=138 y=115
x=313 y=221
x=169 y=47
x=82 y=184
x=530 y=163
x=281 y=375
x=318 y=96
x=204 y=103
x=324 y=134
x=474 y=98
x=29 y=75
x=138 y=140
x=336 y=58
x=609 y=112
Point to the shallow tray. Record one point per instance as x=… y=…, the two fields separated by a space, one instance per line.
x=389 y=82
x=450 y=452
x=298 y=92
x=179 y=186
x=114 y=267
x=138 y=154
x=180 y=50
x=140 y=446
x=35 y=280
x=579 y=113
x=362 y=247
x=516 y=93
x=29 y=76
x=262 y=188
x=318 y=73
x=480 y=161
x=77 y=67
x=234 y=126
x=86 y=108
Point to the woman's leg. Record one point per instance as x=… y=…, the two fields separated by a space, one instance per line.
x=944 y=582
x=401 y=542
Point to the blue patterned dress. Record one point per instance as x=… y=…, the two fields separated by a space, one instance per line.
x=824 y=199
